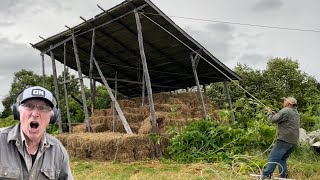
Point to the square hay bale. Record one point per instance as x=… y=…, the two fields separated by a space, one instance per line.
x=101 y=127
x=99 y=112
x=107 y=146
x=79 y=128
x=127 y=103
x=98 y=120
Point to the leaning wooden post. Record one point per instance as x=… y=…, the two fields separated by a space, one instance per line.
x=56 y=89
x=94 y=90
x=84 y=99
x=194 y=61
x=43 y=73
x=228 y=98
x=114 y=112
x=93 y=101
x=121 y=115
x=147 y=77
x=143 y=91
x=65 y=85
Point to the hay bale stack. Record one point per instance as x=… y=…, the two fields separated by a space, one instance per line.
x=127 y=103
x=107 y=146
x=100 y=127
x=163 y=122
x=119 y=126
x=79 y=128
x=98 y=119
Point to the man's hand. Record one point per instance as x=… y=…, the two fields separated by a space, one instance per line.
x=267 y=109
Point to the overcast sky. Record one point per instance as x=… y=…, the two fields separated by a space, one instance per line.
x=22 y=21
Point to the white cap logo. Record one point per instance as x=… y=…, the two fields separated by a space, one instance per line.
x=37 y=92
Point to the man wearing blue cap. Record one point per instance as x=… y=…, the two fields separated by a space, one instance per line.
x=288 y=122
x=27 y=151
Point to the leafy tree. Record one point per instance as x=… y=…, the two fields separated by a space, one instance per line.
x=21 y=80
x=282 y=78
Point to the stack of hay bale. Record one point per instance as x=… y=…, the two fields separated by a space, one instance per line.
x=103 y=144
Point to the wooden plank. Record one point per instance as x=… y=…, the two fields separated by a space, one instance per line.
x=43 y=73
x=143 y=91
x=65 y=86
x=56 y=89
x=114 y=112
x=94 y=90
x=146 y=77
x=121 y=115
x=194 y=61
x=228 y=98
x=84 y=99
x=91 y=69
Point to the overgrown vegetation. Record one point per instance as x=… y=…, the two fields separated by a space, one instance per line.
x=211 y=141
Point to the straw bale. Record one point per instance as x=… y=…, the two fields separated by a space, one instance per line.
x=162 y=126
x=108 y=146
x=146 y=125
x=119 y=126
x=127 y=103
x=79 y=128
x=98 y=119
x=134 y=110
x=133 y=118
x=101 y=127
x=99 y=112
x=108 y=112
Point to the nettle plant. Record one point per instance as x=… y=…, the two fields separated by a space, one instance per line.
x=207 y=140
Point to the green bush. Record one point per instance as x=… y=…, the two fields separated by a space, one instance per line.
x=206 y=140
x=9 y=121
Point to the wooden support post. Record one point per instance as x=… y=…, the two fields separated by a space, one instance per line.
x=93 y=101
x=114 y=112
x=194 y=61
x=84 y=99
x=43 y=73
x=147 y=78
x=93 y=91
x=143 y=91
x=56 y=90
x=228 y=98
x=65 y=86
x=121 y=115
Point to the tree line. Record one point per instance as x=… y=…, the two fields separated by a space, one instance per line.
x=281 y=78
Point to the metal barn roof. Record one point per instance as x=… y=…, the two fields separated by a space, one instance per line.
x=167 y=48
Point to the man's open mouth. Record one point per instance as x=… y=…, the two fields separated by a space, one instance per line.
x=34 y=125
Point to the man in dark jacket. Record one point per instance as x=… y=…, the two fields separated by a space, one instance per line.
x=288 y=122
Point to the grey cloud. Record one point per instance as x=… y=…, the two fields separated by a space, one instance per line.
x=5 y=23
x=266 y=5
x=216 y=38
x=254 y=60
x=220 y=27
x=13 y=9
x=16 y=57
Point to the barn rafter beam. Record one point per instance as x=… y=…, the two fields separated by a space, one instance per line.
x=147 y=42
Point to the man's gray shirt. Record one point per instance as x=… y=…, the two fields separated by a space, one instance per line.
x=52 y=164
x=288 y=122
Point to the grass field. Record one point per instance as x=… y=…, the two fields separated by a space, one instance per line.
x=167 y=170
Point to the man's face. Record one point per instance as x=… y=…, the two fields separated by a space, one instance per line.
x=286 y=103
x=34 y=119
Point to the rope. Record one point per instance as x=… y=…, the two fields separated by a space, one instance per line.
x=117 y=147
x=243 y=24
x=204 y=59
